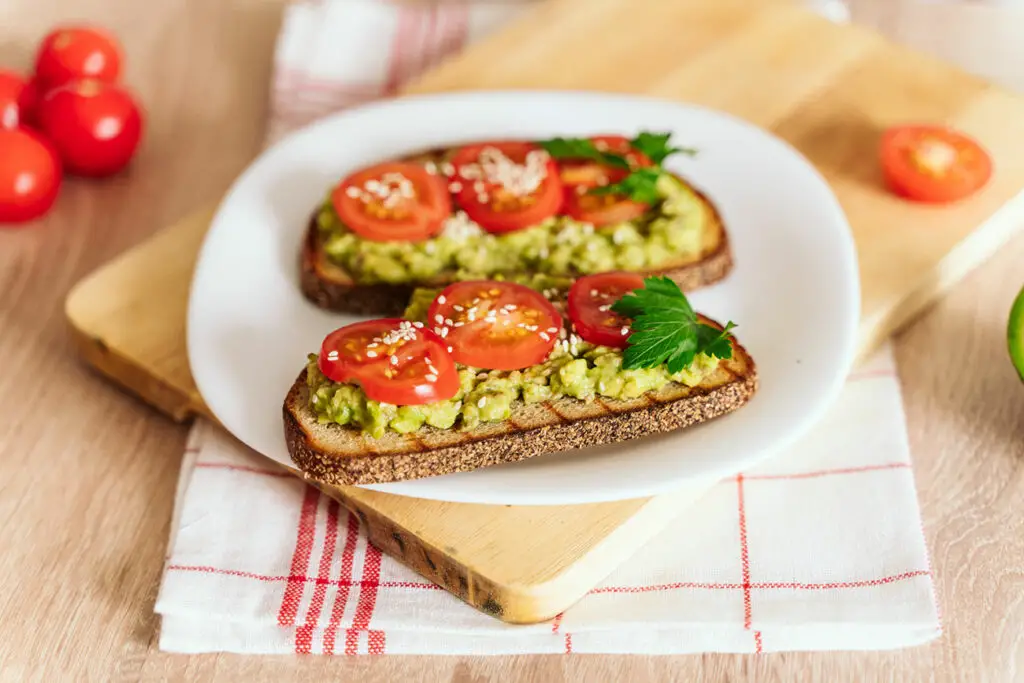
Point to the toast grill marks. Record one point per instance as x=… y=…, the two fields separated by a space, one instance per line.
x=344 y=456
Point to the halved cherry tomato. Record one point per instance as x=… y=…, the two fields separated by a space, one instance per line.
x=17 y=100
x=933 y=164
x=95 y=126
x=589 y=173
x=601 y=209
x=495 y=325
x=393 y=201
x=30 y=175
x=507 y=186
x=394 y=361
x=589 y=302
x=71 y=53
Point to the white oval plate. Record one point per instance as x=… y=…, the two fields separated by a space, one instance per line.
x=794 y=291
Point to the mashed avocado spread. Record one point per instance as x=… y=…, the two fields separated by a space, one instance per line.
x=574 y=368
x=671 y=230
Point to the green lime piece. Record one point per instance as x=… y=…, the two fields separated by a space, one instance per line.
x=1015 y=334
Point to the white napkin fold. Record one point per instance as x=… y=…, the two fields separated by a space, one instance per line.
x=819 y=549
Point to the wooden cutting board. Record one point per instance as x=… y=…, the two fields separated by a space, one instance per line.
x=828 y=90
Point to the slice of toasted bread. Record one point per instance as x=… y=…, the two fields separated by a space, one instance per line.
x=341 y=455
x=330 y=286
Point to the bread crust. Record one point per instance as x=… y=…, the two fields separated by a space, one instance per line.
x=342 y=456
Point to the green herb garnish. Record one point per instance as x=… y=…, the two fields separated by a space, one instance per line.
x=657 y=147
x=640 y=184
x=665 y=328
x=582 y=148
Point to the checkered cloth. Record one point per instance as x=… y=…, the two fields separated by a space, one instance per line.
x=819 y=549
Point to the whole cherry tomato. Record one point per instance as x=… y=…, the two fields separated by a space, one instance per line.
x=95 y=126
x=29 y=175
x=17 y=99
x=70 y=53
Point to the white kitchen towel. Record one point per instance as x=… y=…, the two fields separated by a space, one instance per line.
x=819 y=549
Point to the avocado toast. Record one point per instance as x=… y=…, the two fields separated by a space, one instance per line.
x=563 y=207
x=486 y=372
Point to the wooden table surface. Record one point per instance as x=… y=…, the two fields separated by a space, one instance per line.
x=87 y=473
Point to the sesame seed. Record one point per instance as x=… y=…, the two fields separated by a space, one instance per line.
x=371 y=354
x=478 y=187
x=430 y=378
x=605 y=308
x=431 y=167
x=545 y=336
x=483 y=198
x=332 y=355
x=444 y=332
x=439 y=318
x=372 y=185
x=455 y=186
x=353 y=191
x=417 y=324
x=449 y=349
x=441 y=299
x=552 y=330
x=624 y=331
x=593 y=292
x=394 y=360
x=448 y=169
x=482 y=402
x=458 y=308
x=458 y=324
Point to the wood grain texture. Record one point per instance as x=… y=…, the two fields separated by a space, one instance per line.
x=86 y=498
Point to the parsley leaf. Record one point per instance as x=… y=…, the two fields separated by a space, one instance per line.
x=665 y=329
x=581 y=148
x=640 y=186
x=657 y=147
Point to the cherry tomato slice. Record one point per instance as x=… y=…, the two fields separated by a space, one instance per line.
x=393 y=201
x=393 y=360
x=71 y=53
x=18 y=99
x=589 y=302
x=495 y=325
x=95 y=126
x=933 y=164
x=507 y=186
x=30 y=175
x=601 y=209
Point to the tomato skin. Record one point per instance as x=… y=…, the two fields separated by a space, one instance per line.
x=360 y=353
x=602 y=209
x=30 y=175
x=592 y=292
x=933 y=164
x=72 y=53
x=492 y=206
x=96 y=127
x=423 y=214
x=18 y=99
x=495 y=325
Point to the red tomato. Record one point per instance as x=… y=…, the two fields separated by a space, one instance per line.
x=507 y=186
x=95 y=126
x=72 y=53
x=495 y=325
x=394 y=361
x=933 y=164
x=618 y=144
x=29 y=175
x=17 y=99
x=393 y=201
x=589 y=302
x=601 y=209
